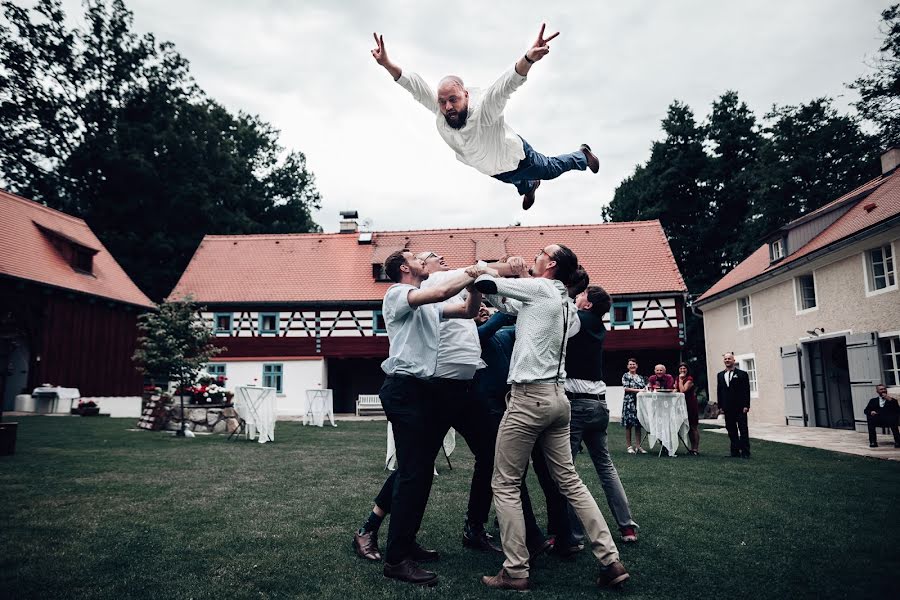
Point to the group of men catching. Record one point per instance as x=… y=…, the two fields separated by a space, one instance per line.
x=436 y=378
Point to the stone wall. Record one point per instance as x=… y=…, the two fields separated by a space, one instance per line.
x=203 y=419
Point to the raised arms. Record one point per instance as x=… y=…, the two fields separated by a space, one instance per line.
x=539 y=49
x=381 y=57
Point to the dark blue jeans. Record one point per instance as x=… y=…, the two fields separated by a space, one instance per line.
x=535 y=166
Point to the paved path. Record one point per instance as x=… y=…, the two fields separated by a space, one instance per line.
x=837 y=440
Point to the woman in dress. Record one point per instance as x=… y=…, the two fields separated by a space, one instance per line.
x=685 y=384
x=633 y=383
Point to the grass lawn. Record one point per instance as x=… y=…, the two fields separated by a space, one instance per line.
x=91 y=510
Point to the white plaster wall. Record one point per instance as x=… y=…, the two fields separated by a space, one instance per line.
x=114 y=406
x=842 y=305
x=297 y=377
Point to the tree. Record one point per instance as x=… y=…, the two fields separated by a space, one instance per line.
x=108 y=125
x=879 y=93
x=174 y=344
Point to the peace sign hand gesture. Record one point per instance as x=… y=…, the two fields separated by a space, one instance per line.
x=541 y=46
x=379 y=53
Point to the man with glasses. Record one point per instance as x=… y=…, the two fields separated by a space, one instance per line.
x=539 y=410
x=882 y=411
x=472 y=123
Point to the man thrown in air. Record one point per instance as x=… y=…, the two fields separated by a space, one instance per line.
x=472 y=123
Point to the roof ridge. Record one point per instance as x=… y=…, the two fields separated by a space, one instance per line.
x=35 y=204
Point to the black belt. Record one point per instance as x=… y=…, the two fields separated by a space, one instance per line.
x=580 y=396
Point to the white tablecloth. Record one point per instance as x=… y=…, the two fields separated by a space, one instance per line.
x=390 y=461
x=664 y=416
x=319 y=404
x=256 y=406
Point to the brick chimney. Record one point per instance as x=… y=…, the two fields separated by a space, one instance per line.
x=890 y=160
x=349 y=222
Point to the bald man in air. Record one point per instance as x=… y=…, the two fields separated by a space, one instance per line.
x=472 y=123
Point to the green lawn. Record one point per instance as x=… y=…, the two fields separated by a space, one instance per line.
x=94 y=511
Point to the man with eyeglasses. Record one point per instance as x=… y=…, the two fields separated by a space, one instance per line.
x=539 y=410
x=882 y=411
x=472 y=123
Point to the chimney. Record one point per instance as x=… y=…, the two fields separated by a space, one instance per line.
x=890 y=160
x=349 y=224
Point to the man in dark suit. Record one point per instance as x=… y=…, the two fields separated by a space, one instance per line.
x=733 y=396
x=882 y=411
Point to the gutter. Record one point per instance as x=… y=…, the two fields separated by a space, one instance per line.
x=794 y=264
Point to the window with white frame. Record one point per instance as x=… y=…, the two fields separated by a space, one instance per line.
x=890 y=359
x=880 y=271
x=747 y=363
x=745 y=318
x=776 y=250
x=805 y=288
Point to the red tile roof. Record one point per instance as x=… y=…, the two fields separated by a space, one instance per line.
x=885 y=195
x=27 y=252
x=625 y=258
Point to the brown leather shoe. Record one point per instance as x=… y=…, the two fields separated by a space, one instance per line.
x=420 y=554
x=409 y=572
x=366 y=545
x=502 y=581
x=613 y=575
x=593 y=161
x=528 y=199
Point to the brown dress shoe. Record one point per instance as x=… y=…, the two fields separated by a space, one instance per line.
x=420 y=554
x=613 y=575
x=366 y=545
x=502 y=581
x=480 y=540
x=593 y=161
x=528 y=199
x=409 y=572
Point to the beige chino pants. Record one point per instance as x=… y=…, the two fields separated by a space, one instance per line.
x=540 y=411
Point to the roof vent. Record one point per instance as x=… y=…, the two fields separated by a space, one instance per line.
x=870 y=207
x=365 y=237
x=349 y=222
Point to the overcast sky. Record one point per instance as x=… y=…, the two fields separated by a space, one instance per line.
x=305 y=67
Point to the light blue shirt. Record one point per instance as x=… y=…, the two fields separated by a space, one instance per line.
x=413 y=333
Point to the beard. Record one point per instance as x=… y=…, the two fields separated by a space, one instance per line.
x=459 y=120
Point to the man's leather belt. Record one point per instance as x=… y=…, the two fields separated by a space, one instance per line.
x=580 y=396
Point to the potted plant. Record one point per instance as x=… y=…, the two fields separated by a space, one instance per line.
x=86 y=409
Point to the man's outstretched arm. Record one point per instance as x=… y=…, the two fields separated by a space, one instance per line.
x=381 y=57
x=538 y=50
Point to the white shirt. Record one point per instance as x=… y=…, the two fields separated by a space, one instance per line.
x=413 y=333
x=543 y=306
x=485 y=142
x=585 y=386
x=459 y=351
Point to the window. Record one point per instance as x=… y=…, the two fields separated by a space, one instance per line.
x=805 y=292
x=880 y=271
x=223 y=323
x=745 y=319
x=748 y=363
x=890 y=359
x=379 y=274
x=83 y=260
x=378 y=325
x=216 y=369
x=776 y=250
x=268 y=323
x=621 y=314
x=272 y=377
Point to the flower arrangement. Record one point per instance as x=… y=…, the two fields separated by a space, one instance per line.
x=87 y=408
x=209 y=389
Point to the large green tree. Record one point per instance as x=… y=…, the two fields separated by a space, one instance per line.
x=879 y=93
x=108 y=125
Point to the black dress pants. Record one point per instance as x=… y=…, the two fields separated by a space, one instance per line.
x=736 y=424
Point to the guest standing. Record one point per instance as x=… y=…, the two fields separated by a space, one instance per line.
x=633 y=383
x=733 y=394
x=685 y=384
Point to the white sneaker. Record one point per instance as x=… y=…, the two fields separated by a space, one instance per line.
x=640 y=450
x=630 y=450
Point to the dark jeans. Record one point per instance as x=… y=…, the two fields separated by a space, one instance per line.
x=882 y=421
x=736 y=424
x=589 y=423
x=535 y=166
x=411 y=408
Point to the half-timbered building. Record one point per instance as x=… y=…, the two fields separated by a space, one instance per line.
x=303 y=311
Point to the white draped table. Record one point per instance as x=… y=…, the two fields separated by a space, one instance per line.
x=319 y=404
x=390 y=461
x=664 y=416
x=256 y=406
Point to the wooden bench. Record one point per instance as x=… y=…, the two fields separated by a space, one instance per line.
x=368 y=403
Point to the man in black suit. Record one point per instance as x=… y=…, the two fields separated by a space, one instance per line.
x=882 y=411
x=733 y=396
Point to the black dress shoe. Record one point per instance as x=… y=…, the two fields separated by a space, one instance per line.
x=410 y=572
x=479 y=539
x=366 y=545
x=420 y=554
x=745 y=455
x=874 y=444
x=528 y=199
x=593 y=162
